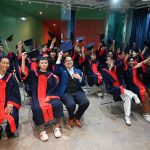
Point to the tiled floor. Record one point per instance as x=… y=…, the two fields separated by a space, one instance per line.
x=101 y=131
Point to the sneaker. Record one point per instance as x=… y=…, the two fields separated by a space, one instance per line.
x=127 y=120
x=43 y=136
x=57 y=132
x=136 y=99
x=146 y=117
x=100 y=94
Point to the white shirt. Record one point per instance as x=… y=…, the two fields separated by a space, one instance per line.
x=71 y=71
x=1 y=76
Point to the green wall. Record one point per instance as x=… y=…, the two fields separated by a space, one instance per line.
x=10 y=23
x=92 y=14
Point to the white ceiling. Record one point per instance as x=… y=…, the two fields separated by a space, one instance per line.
x=94 y=4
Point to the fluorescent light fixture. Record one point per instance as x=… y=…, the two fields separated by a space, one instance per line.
x=23 y=18
x=145 y=0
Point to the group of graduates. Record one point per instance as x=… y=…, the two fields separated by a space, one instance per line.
x=53 y=76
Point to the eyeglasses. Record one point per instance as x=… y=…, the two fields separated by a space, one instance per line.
x=68 y=60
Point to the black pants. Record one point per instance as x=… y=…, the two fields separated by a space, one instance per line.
x=57 y=108
x=70 y=101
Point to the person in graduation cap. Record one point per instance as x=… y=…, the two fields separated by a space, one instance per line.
x=90 y=49
x=69 y=89
x=112 y=77
x=44 y=51
x=79 y=53
x=101 y=53
x=45 y=103
x=93 y=71
x=133 y=81
x=16 y=58
x=10 y=99
x=52 y=59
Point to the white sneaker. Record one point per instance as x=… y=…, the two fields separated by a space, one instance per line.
x=100 y=94
x=127 y=120
x=136 y=99
x=43 y=136
x=57 y=132
x=146 y=117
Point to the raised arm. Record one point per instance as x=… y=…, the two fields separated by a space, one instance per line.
x=144 y=62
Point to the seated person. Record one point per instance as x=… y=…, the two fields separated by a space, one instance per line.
x=133 y=81
x=114 y=85
x=10 y=99
x=45 y=103
x=69 y=89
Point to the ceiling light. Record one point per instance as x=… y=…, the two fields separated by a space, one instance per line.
x=23 y=18
x=115 y=1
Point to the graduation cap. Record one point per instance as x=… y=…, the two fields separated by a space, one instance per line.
x=49 y=43
x=109 y=41
x=51 y=34
x=28 y=42
x=102 y=36
x=90 y=46
x=34 y=53
x=80 y=39
x=10 y=38
x=66 y=46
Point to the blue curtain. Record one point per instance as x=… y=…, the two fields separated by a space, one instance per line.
x=72 y=25
x=140 y=27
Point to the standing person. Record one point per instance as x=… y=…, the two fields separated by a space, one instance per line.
x=10 y=99
x=69 y=89
x=45 y=103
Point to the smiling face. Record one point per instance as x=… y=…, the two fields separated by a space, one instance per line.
x=131 y=62
x=52 y=54
x=4 y=64
x=68 y=62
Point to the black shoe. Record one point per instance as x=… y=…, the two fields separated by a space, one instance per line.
x=10 y=135
x=1 y=130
